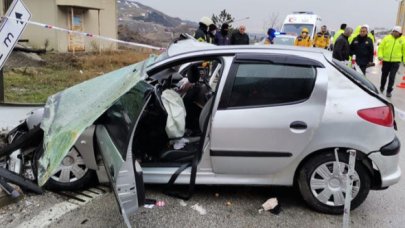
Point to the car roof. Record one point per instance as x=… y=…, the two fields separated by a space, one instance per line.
x=191 y=45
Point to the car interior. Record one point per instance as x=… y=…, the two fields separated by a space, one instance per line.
x=194 y=83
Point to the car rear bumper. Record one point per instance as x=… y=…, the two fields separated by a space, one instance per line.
x=386 y=161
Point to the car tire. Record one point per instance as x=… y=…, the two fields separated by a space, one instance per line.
x=323 y=190
x=87 y=177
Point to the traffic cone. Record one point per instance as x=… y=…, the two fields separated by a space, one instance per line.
x=402 y=84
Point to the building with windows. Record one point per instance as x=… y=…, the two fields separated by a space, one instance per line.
x=93 y=16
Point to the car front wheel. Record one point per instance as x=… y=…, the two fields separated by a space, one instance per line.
x=72 y=174
x=323 y=186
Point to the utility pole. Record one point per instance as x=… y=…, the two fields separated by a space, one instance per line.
x=1 y=86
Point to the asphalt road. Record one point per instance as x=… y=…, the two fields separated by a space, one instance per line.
x=233 y=206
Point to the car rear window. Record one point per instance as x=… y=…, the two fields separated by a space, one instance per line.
x=359 y=78
x=263 y=84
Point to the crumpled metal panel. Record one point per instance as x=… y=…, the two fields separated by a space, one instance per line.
x=70 y=112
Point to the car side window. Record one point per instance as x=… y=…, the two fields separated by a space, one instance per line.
x=268 y=84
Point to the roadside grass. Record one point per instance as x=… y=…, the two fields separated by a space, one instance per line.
x=35 y=84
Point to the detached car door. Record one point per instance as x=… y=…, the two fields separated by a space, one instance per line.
x=115 y=132
x=269 y=109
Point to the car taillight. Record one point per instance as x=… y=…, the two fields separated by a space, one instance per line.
x=381 y=115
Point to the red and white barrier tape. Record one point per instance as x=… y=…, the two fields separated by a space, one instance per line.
x=90 y=35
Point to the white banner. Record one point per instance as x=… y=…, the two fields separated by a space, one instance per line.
x=11 y=30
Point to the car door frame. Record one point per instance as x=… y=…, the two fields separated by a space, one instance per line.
x=226 y=93
x=125 y=174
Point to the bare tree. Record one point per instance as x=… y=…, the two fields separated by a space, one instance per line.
x=273 y=21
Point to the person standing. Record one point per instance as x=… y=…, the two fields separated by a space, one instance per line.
x=222 y=37
x=303 y=40
x=339 y=32
x=271 y=34
x=212 y=30
x=391 y=52
x=240 y=37
x=341 y=50
x=201 y=34
x=362 y=46
x=322 y=38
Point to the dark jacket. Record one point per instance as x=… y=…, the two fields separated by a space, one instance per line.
x=363 y=48
x=221 y=39
x=341 y=50
x=211 y=38
x=201 y=34
x=237 y=38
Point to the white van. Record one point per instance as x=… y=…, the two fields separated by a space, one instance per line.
x=295 y=22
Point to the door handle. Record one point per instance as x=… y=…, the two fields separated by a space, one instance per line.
x=298 y=125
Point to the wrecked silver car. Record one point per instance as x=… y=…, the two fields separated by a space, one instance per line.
x=202 y=114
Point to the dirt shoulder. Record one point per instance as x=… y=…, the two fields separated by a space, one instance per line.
x=30 y=80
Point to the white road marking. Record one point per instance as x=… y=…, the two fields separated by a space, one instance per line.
x=49 y=215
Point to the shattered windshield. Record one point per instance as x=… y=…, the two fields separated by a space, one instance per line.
x=68 y=113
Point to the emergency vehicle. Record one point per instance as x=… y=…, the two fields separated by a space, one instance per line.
x=295 y=22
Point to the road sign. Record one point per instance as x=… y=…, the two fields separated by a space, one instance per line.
x=11 y=30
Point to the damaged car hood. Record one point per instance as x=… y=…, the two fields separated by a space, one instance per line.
x=68 y=113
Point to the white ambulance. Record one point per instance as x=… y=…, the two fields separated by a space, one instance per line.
x=295 y=22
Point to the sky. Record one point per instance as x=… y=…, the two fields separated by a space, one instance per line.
x=375 y=13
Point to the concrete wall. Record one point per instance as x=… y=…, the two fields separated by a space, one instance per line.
x=108 y=25
x=45 y=12
x=99 y=18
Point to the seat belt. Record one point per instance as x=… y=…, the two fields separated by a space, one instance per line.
x=175 y=175
x=193 y=165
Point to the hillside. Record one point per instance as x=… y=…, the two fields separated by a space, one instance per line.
x=140 y=23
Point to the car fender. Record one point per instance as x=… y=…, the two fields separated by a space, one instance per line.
x=85 y=146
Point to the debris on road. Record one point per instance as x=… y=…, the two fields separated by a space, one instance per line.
x=19 y=180
x=160 y=203
x=151 y=203
x=183 y=203
x=271 y=205
x=5 y=198
x=199 y=209
x=216 y=194
x=228 y=204
x=10 y=190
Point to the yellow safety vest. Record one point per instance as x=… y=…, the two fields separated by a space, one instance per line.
x=303 y=42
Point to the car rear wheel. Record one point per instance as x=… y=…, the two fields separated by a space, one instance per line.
x=324 y=190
